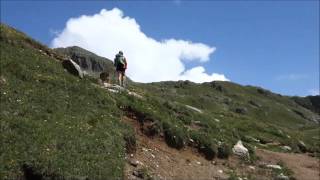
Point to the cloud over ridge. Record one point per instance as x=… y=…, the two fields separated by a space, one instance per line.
x=149 y=60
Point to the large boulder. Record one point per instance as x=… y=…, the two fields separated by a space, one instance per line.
x=240 y=150
x=72 y=67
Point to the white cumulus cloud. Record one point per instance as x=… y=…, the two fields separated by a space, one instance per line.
x=149 y=60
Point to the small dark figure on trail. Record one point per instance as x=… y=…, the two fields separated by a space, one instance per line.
x=120 y=63
x=104 y=77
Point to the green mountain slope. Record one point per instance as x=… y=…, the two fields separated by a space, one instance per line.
x=54 y=125
x=231 y=112
x=57 y=126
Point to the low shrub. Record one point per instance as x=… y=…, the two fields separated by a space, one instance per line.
x=174 y=136
x=224 y=151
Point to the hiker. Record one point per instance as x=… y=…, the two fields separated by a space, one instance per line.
x=120 y=63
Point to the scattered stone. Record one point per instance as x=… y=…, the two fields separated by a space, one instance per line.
x=134 y=163
x=274 y=144
x=194 y=108
x=282 y=177
x=273 y=166
x=135 y=95
x=240 y=150
x=2 y=80
x=138 y=174
x=241 y=110
x=220 y=171
x=132 y=177
x=252 y=139
x=198 y=162
x=116 y=89
x=262 y=164
x=286 y=148
x=214 y=162
x=113 y=90
x=255 y=104
x=302 y=146
x=216 y=120
x=113 y=86
x=252 y=168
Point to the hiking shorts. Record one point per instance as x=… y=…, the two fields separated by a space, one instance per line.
x=120 y=69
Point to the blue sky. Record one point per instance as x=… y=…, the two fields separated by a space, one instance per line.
x=270 y=44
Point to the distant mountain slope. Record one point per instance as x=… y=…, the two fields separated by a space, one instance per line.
x=309 y=102
x=88 y=61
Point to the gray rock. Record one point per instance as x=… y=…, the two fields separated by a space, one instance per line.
x=72 y=68
x=134 y=163
x=194 y=108
x=286 y=148
x=240 y=150
x=282 y=177
x=255 y=104
x=241 y=110
x=302 y=146
x=274 y=166
x=138 y=174
x=252 y=139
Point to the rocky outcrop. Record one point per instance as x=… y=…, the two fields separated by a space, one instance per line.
x=114 y=88
x=89 y=62
x=72 y=68
x=310 y=102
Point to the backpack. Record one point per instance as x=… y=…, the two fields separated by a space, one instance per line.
x=119 y=61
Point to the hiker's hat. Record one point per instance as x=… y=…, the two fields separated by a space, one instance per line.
x=120 y=52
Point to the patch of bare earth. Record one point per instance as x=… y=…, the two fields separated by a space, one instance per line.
x=163 y=162
x=303 y=166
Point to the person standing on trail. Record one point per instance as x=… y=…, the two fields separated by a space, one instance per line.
x=120 y=63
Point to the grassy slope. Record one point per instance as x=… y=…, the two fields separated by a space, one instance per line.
x=272 y=117
x=53 y=123
x=61 y=126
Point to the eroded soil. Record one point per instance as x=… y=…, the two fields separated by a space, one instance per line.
x=163 y=162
